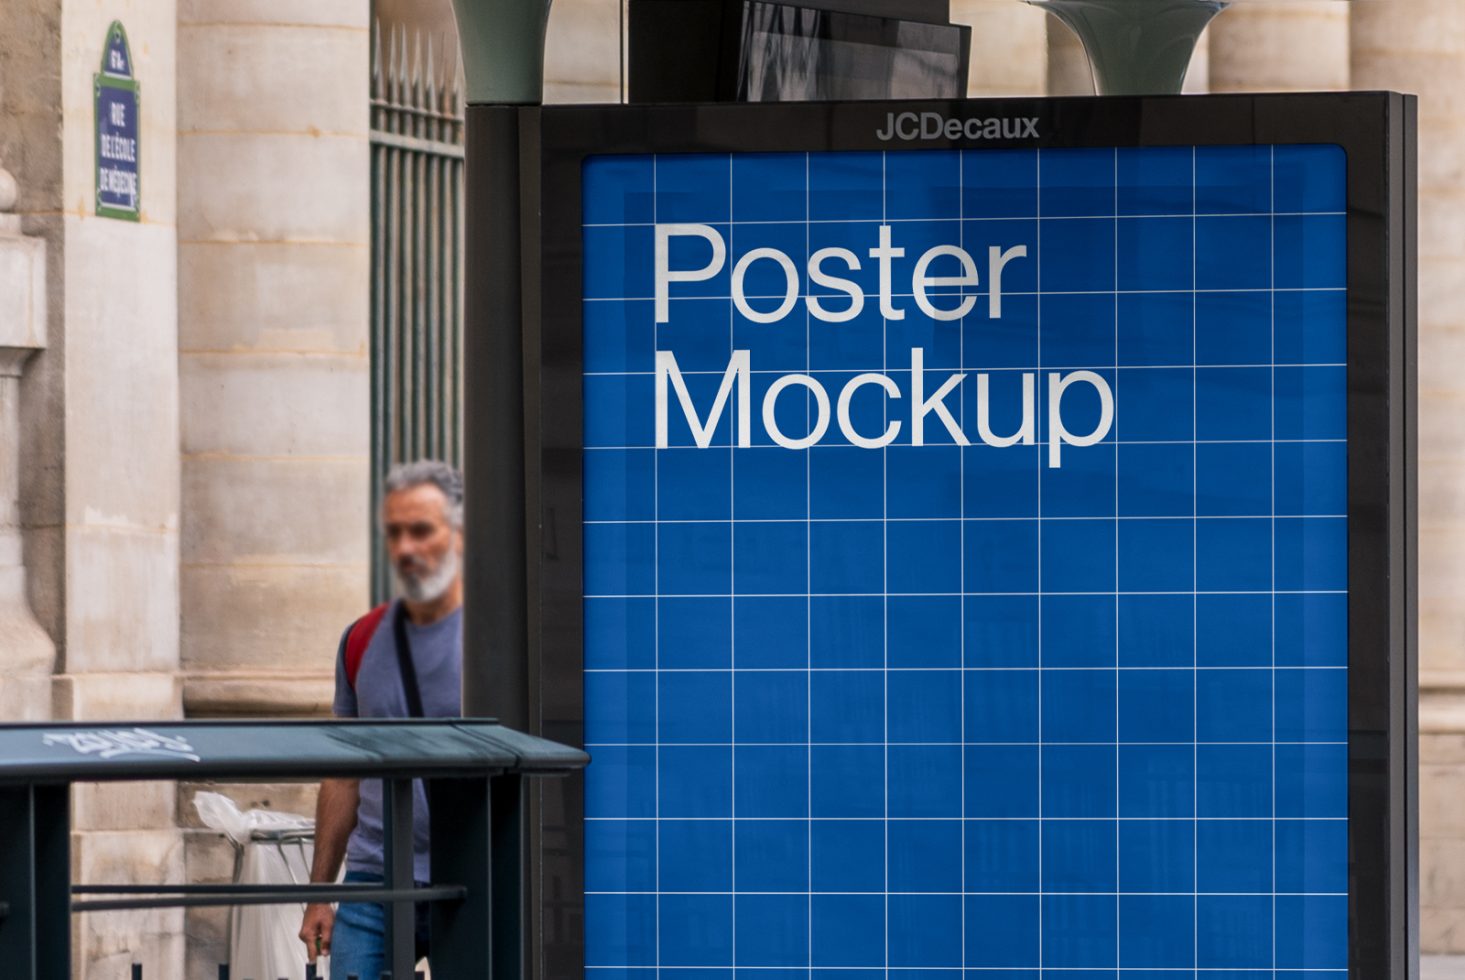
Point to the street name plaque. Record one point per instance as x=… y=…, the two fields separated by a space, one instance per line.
x=119 y=125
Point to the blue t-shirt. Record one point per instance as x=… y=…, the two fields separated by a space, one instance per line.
x=437 y=655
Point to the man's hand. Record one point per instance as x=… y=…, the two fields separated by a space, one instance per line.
x=335 y=816
x=315 y=930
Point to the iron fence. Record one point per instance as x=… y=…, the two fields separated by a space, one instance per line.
x=417 y=261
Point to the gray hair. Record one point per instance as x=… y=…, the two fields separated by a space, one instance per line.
x=430 y=472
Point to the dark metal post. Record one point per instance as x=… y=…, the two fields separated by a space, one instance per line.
x=462 y=932
x=397 y=835
x=496 y=631
x=506 y=831
x=503 y=65
x=35 y=882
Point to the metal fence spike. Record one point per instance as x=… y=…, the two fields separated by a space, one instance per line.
x=414 y=70
x=404 y=68
x=389 y=65
x=378 y=88
x=399 y=68
x=452 y=77
x=441 y=75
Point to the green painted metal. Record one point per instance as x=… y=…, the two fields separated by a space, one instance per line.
x=1136 y=47
x=379 y=748
x=474 y=770
x=417 y=265
x=503 y=49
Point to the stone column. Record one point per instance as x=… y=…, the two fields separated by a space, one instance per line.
x=119 y=657
x=582 y=52
x=1008 y=45
x=27 y=655
x=274 y=264
x=274 y=268
x=1419 y=46
x=1283 y=46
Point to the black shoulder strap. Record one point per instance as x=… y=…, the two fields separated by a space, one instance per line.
x=404 y=663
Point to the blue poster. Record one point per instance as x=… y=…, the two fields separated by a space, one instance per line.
x=965 y=564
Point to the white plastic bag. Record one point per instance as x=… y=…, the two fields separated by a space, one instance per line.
x=264 y=940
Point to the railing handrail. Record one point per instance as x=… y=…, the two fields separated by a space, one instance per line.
x=252 y=750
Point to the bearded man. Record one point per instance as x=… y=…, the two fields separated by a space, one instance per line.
x=411 y=667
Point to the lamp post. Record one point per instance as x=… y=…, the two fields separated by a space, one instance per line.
x=502 y=45
x=1136 y=47
x=503 y=63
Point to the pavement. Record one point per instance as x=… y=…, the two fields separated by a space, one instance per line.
x=1442 y=968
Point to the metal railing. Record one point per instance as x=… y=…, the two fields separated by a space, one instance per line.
x=473 y=770
x=416 y=260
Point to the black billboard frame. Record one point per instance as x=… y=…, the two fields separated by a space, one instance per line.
x=1377 y=130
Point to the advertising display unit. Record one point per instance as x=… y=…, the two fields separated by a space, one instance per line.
x=977 y=536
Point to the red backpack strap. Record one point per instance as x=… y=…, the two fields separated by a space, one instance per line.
x=358 y=638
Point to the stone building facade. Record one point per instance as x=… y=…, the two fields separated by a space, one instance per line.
x=184 y=402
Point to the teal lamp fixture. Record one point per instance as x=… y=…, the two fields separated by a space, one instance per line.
x=502 y=45
x=1136 y=47
x=503 y=49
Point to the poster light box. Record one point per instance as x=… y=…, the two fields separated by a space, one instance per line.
x=977 y=538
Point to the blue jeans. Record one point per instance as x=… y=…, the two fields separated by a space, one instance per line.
x=359 y=939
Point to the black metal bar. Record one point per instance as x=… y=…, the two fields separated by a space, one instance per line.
x=495 y=625
x=401 y=950
x=400 y=897
x=1406 y=821
x=506 y=860
x=461 y=931
x=35 y=823
x=303 y=891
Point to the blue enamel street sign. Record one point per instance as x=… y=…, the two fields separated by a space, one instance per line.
x=119 y=193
